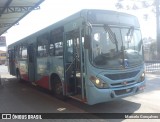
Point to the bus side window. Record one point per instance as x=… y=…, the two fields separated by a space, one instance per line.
x=42 y=47
x=17 y=51
x=69 y=50
x=24 y=52
x=51 y=49
x=52 y=46
x=59 y=49
x=56 y=46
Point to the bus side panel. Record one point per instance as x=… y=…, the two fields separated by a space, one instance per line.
x=56 y=66
x=43 y=82
x=42 y=72
x=24 y=69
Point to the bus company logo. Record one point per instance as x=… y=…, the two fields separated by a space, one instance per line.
x=124 y=83
x=6 y=116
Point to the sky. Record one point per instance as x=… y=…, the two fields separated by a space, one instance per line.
x=52 y=11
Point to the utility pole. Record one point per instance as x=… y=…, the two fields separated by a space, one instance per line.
x=158 y=27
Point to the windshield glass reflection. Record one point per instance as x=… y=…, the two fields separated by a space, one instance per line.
x=116 y=47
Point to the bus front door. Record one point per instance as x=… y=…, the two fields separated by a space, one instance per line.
x=31 y=62
x=74 y=65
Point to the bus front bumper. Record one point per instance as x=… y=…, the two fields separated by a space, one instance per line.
x=103 y=95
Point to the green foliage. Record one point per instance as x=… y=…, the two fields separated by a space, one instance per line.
x=153 y=47
x=153 y=50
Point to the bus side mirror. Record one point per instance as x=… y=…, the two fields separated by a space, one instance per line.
x=87 y=42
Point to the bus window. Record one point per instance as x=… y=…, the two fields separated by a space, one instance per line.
x=42 y=48
x=56 y=45
x=70 y=45
x=69 y=50
x=17 y=51
x=51 y=49
x=24 y=52
x=59 y=49
x=56 y=48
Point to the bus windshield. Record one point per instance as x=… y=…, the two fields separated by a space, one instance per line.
x=116 y=47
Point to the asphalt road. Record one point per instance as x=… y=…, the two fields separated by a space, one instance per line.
x=22 y=97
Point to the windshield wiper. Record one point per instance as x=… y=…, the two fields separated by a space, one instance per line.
x=130 y=33
x=112 y=35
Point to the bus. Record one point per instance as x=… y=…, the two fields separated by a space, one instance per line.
x=93 y=56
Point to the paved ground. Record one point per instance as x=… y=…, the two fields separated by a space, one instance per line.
x=22 y=97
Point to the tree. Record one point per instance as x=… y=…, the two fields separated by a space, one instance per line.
x=153 y=50
x=136 y=5
x=154 y=6
x=158 y=26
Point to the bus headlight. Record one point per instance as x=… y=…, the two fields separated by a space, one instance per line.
x=142 y=77
x=98 y=82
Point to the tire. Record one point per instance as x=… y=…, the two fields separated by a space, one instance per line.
x=58 y=89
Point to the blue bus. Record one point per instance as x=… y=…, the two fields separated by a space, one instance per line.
x=93 y=56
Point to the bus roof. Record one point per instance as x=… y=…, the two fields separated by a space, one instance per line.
x=96 y=16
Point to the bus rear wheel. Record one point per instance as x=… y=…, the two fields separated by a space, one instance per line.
x=58 y=89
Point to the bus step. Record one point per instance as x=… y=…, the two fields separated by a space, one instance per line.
x=77 y=97
x=71 y=93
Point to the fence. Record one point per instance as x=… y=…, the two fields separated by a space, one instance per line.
x=152 y=60
x=152 y=66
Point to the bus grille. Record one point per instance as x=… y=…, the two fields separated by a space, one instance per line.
x=122 y=75
x=123 y=91
x=122 y=83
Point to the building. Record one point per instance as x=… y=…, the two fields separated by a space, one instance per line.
x=3 y=56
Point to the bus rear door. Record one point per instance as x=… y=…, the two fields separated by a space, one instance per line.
x=31 y=62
